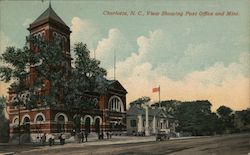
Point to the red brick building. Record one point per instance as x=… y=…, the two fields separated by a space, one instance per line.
x=111 y=111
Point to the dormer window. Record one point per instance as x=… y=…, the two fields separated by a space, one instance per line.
x=39 y=36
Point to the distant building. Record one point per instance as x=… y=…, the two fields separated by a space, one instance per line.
x=110 y=113
x=158 y=119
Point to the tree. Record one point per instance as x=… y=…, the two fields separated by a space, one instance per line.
x=194 y=117
x=226 y=117
x=170 y=105
x=55 y=80
x=87 y=77
x=242 y=120
x=16 y=70
x=4 y=124
x=224 y=111
x=140 y=101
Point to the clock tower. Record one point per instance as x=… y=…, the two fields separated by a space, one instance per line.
x=50 y=27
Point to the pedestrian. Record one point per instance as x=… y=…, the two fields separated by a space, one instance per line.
x=107 y=133
x=44 y=138
x=98 y=135
x=50 y=139
x=110 y=135
x=86 y=136
x=102 y=135
x=73 y=132
x=82 y=136
x=79 y=136
x=61 y=138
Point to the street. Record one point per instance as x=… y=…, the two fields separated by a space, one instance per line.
x=218 y=145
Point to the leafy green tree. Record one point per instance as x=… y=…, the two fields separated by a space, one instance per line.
x=242 y=120
x=15 y=69
x=48 y=61
x=194 y=117
x=224 y=111
x=170 y=105
x=87 y=77
x=226 y=116
x=4 y=124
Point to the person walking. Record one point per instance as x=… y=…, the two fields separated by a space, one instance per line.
x=44 y=138
x=86 y=136
x=107 y=133
x=82 y=137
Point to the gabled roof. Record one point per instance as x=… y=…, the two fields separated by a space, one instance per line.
x=49 y=14
x=116 y=85
x=135 y=110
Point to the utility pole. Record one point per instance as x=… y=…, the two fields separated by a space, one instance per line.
x=114 y=63
x=19 y=128
x=159 y=96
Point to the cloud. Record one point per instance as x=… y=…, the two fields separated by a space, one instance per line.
x=220 y=83
x=114 y=43
x=149 y=50
x=84 y=31
x=193 y=50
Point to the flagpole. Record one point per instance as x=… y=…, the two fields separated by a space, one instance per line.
x=159 y=96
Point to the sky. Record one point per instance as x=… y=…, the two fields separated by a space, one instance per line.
x=195 y=50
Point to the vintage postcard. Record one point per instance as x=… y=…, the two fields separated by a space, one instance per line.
x=124 y=77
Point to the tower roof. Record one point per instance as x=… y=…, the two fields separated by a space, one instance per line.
x=49 y=14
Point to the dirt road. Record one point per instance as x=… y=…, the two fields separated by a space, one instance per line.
x=218 y=145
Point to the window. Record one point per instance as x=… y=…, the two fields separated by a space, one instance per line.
x=60 y=120
x=116 y=104
x=39 y=118
x=133 y=123
x=16 y=121
x=60 y=124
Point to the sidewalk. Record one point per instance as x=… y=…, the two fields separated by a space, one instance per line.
x=121 y=140
x=132 y=139
x=92 y=141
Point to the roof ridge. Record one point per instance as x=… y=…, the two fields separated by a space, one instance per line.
x=49 y=13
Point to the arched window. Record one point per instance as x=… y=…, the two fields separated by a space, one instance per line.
x=77 y=123
x=115 y=104
x=15 y=120
x=60 y=123
x=39 y=36
x=54 y=35
x=97 y=123
x=40 y=117
x=26 y=124
x=61 y=119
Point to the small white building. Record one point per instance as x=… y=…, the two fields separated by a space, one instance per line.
x=158 y=119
